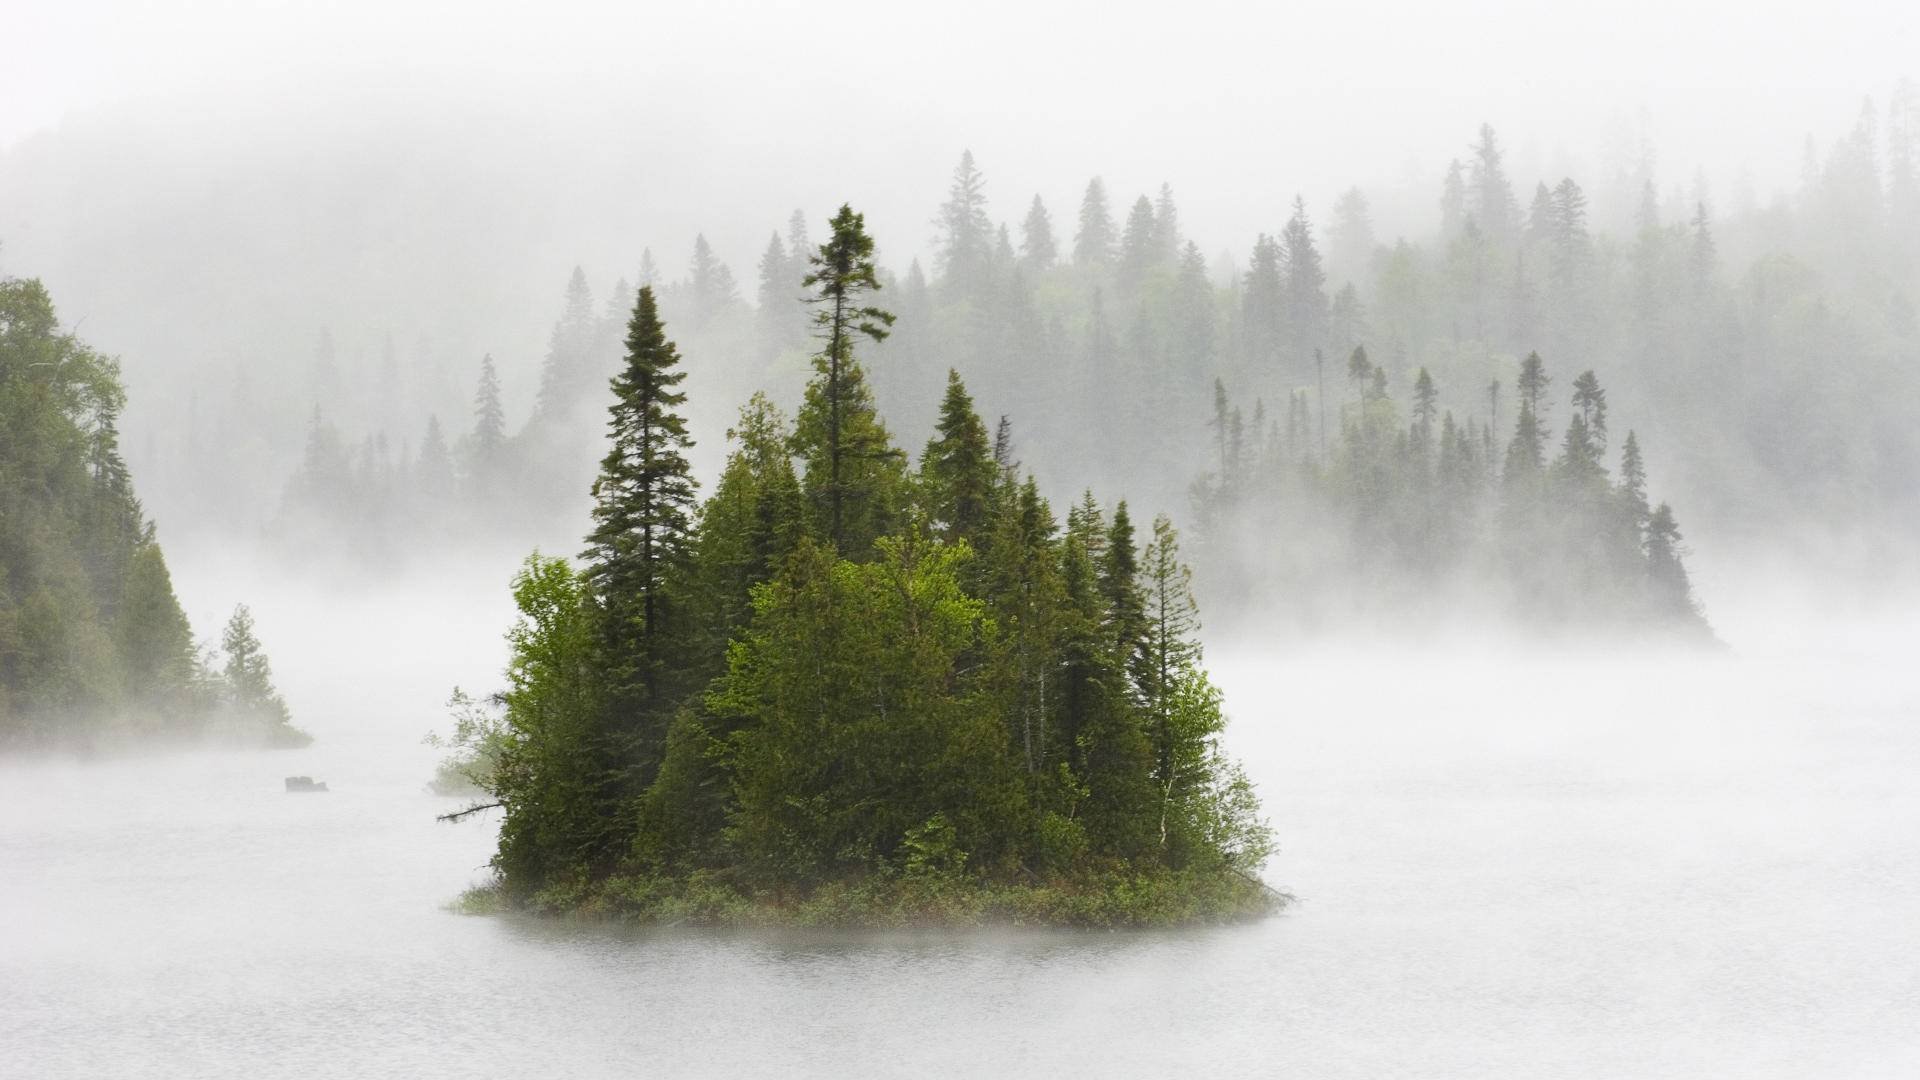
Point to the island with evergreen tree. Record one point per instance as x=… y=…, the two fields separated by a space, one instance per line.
x=846 y=690
x=95 y=652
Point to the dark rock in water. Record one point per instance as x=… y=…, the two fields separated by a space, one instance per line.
x=303 y=783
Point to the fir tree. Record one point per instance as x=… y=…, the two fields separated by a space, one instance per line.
x=1036 y=237
x=1093 y=243
x=964 y=240
x=958 y=469
x=643 y=501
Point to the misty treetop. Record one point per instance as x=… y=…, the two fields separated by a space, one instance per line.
x=1440 y=516
x=93 y=644
x=1755 y=350
x=844 y=687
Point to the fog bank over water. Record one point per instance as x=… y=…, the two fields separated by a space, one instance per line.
x=1516 y=863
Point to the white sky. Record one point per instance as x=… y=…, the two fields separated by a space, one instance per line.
x=1238 y=104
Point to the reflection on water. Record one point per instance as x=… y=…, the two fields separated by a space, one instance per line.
x=1540 y=867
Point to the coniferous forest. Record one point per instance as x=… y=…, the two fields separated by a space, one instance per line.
x=849 y=687
x=94 y=648
x=1291 y=400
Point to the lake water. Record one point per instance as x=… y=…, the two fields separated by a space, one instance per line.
x=1508 y=867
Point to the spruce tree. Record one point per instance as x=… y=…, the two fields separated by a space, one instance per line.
x=964 y=241
x=489 y=418
x=1093 y=243
x=958 y=469
x=852 y=468
x=1306 y=286
x=1126 y=616
x=1036 y=237
x=1139 y=250
x=642 y=513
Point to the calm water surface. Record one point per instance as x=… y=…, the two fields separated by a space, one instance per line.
x=1528 y=868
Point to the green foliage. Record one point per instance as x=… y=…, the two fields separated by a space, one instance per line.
x=854 y=475
x=643 y=506
x=93 y=642
x=922 y=700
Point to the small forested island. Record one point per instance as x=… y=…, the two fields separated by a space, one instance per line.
x=95 y=652
x=844 y=690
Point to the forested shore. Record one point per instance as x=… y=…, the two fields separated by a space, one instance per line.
x=95 y=651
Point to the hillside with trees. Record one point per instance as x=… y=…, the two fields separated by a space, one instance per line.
x=852 y=687
x=94 y=648
x=1760 y=353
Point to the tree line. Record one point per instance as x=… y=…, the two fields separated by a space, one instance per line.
x=1760 y=349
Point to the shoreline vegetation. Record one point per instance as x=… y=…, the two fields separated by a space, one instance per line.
x=1113 y=901
x=96 y=654
x=845 y=690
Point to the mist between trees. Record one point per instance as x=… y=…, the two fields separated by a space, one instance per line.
x=1760 y=349
x=95 y=652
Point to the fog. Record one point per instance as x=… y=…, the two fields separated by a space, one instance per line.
x=1506 y=865
x=1557 y=790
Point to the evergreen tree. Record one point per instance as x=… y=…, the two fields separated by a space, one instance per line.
x=489 y=418
x=1263 y=301
x=433 y=471
x=1139 y=247
x=1492 y=201
x=1093 y=243
x=958 y=469
x=964 y=240
x=1126 y=617
x=567 y=372
x=1306 y=281
x=643 y=501
x=1166 y=225
x=852 y=469
x=248 y=682
x=710 y=285
x=1036 y=237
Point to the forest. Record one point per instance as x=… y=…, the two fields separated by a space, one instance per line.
x=95 y=651
x=1752 y=355
x=848 y=687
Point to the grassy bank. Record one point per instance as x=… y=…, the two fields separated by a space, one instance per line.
x=1119 y=900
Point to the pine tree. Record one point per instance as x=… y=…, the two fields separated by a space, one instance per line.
x=643 y=502
x=1168 y=657
x=1492 y=201
x=1193 y=331
x=1036 y=237
x=958 y=469
x=1306 y=285
x=568 y=371
x=1166 y=225
x=433 y=471
x=247 y=682
x=776 y=296
x=1591 y=403
x=1139 y=248
x=851 y=464
x=1263 y=310
x=1126 y=617
x=1093 y=243
x=489 y=418
x=1351 y=238
x=964 y=241
x=1453 y=201
x=1672 y=589
x=710 y=285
